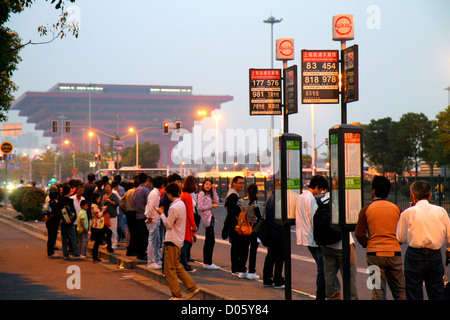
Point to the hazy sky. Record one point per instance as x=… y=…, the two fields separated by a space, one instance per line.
x=404 y=52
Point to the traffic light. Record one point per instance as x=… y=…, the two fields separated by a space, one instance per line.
x=326 y=141
x=2 y=157
x=67 y=126
x=166 y=127
x=98 y=157
x=55 y=125
x=178 y=127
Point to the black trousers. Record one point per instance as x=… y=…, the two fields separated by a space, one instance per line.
x=132 y=228
x=52 y=231
x=98 y=235
x=141 y=238
x=273 y=264
x=208 y=247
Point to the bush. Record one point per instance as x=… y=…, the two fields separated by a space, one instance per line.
x=32 y=202
x=16 y=196
x=2 y=194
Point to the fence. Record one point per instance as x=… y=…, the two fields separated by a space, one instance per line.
x=400 y=194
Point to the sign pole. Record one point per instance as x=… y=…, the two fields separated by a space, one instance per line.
x=343 y=86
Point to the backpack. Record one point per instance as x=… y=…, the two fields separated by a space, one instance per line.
x=244 y=227
x=67 y=215
x=322 y=231
x=46 y=209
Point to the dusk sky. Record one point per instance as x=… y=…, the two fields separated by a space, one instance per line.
x=404 y=52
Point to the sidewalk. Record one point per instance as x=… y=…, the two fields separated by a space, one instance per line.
x=213 y=284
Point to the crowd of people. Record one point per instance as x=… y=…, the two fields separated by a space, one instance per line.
x=158 y=217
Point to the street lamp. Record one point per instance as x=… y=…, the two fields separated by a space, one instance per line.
x=131 y=130
x=217 y=118
x=73 y=154
x=272 y=21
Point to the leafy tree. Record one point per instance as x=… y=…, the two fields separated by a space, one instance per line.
x=376 y=143
x=442 y=124
x=10 y=45
x=149 y=154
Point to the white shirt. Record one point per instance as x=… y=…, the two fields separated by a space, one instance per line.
x=176 y=223
x=424 y=226
x=153 y=201
x=76 y=204
x=305 y=207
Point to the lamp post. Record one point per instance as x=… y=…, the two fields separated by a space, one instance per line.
x=73 y=154
x=272 y=21
x=217 y=118
x=131 y=130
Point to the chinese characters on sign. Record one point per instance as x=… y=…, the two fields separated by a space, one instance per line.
x=320 y=76
x=350 y=74
x=265 y=92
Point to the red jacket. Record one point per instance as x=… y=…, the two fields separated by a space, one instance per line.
x=190 y=222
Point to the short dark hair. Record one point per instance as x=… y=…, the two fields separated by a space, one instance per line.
x=252 y=192
x=159 y=181
x=83 y=202
x=173 y=177
x=318 y=181
x=91 y=177
x=382 y=186
x=53 y=195
x=421 y=189
x=143 y=177
x=235 y=179
x=173 y=189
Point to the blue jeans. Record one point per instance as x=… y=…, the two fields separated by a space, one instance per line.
x=320 y=280
x=424 y=265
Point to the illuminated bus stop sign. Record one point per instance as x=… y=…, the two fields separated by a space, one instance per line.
x=320 y=76
x=265 y=92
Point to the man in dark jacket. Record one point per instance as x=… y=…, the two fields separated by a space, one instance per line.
x=68 y=232
x=275 y=251
x=233 y=211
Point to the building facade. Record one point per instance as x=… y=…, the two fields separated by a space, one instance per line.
x=110 y=110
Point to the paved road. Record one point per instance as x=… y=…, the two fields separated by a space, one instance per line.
x=27 y=274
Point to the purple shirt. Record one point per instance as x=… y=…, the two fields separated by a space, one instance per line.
x=140 y=198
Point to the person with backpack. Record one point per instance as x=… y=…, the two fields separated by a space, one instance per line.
x=68 y=232
x=305 y=207
x=330 y=242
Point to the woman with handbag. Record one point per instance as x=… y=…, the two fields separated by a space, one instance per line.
x=207 y=201
x=249 y=244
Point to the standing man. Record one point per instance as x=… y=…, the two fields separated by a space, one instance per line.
x=128 y=206
x=140 y=196
x=376 y=231
x=425 y=228
x=305 y=208
x=175 y=225
x=233 y=211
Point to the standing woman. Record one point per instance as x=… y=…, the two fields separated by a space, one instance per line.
x=208 y=200
x=250 y=202
x=111 y=202
x=98 y=228
x=189 y=186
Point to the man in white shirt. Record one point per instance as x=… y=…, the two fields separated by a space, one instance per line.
x=425 y=228
x=152 y=222
x=77 y=197
x=175 y=225
x=305 y=208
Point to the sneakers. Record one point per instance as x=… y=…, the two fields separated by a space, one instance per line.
x=252 y=276
x=53 y=256
x=155 y=265
x=241 y=275
x=193 y=293
x=211 y=266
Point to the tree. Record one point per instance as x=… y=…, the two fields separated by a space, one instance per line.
x=376 y=143
x=148 y=155
x=412 y=137
x=442 y=125
x=10 y=45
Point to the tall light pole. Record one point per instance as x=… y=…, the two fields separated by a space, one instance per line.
x=272 y=21
x=448 y=90
x=137 y=147
x=217 y=117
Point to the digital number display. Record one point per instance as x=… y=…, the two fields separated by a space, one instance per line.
x=265 y=92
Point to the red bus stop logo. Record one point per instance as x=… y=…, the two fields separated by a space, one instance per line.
x=343 y=25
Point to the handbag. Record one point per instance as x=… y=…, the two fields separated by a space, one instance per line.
x=107 y=220
x=67 y=215
x=244 y=227
x=261 y=231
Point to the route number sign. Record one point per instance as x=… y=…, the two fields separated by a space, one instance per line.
x=320 y=76
x=265 y=92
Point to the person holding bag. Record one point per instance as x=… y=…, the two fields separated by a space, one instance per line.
x=207 y=201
